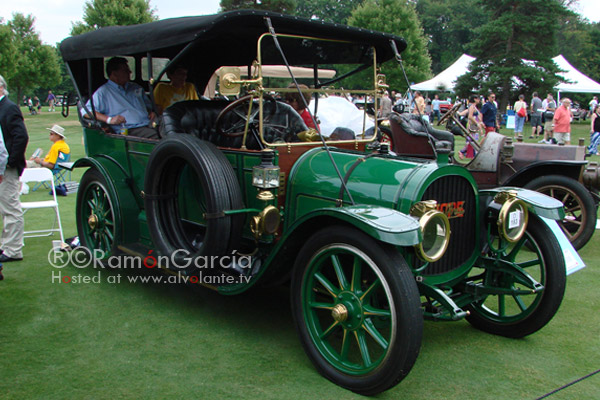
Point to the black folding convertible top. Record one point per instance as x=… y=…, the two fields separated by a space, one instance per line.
x=234 y=30
x=211 y=41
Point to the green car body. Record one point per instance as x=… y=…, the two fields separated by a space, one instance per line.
x=350 y=223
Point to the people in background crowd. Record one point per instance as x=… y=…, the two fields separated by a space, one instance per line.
x=489 y=112
x=594 y=132
x=536 y=116
x=562 y=122
x=520 y=120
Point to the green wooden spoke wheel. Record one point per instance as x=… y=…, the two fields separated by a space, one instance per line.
x=520 y=307
x=356 y=308
x=97 y=221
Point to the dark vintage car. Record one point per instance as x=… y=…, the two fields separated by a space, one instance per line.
x=558 y=171
x=373 y=242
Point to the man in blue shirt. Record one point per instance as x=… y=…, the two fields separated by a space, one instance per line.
x=122 y=104
x=488 y=112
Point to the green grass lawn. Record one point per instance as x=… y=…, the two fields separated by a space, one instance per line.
x=131 y=340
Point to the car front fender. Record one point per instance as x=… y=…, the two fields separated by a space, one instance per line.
x=384 y=224
x=538 y=203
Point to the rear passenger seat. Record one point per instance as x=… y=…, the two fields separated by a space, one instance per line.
x=198 y=118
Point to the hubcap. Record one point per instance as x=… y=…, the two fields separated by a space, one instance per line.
x=93 y=221
x=339 y=313
x=352 y=310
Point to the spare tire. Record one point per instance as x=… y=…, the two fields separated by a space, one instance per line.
x=189 y=184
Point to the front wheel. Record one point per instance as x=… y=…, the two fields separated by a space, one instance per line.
x=518 y=308
x=356 y=309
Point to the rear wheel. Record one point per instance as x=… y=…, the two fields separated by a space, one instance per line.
x=356 y=309
x=519 y=308
x=98 y=222
x=580 y=209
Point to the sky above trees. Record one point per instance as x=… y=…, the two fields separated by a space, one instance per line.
x=53 y=18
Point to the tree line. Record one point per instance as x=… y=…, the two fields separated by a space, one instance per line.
x=499 y=33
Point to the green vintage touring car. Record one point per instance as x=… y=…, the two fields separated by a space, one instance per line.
x=372 y=242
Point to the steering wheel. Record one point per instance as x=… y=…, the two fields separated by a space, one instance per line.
x=450 y=112
x=280 y=121
x=231 y=121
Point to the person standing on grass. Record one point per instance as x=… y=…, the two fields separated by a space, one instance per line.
x=594 y=132
x=536 y=116
x=435 y=107
x=419 y=103
x=3 y=162
x=489 y=112
x=385 y=106
x=51 y=99
x=593 y=103
x=549 y=106
x=562 y=122
x=520 y=121
x=15 y=137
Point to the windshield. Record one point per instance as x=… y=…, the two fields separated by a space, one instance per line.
x=329 y=99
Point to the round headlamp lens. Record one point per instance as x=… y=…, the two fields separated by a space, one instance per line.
x=512 y=220
x=435 y=229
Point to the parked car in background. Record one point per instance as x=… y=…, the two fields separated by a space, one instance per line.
x=445 y=106
x=579 y=113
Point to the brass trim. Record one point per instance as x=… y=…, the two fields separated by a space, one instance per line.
x=257 y=223
x=504 y=196
x=265 y=195
x=425 y=219
x=504 y=216
x=93 y=221
x=339 y=313
x=420 y=208
x=373 y=92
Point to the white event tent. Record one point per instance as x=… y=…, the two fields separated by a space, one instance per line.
x=447 y=78
x=577 y=82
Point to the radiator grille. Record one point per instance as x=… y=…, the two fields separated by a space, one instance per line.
x=449 y=192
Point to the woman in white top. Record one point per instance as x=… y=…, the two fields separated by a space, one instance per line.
x=520 y=121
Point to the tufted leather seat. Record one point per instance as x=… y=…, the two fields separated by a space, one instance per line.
x=414 y=134
x=199 y=118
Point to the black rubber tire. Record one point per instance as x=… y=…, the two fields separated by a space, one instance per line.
x=95 y=190
x=398 y=290
x=216 y=185
x=581 y=212
x=541 y=307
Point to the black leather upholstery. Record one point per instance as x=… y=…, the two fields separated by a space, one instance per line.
x=416 y=126
x=199 y=118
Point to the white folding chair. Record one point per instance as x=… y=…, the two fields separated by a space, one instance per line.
x=42 y=175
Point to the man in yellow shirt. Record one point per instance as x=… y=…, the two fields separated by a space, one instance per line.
x=57 y=137
x=177 y=90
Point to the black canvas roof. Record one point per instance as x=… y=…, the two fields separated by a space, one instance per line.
x=233 y=30
x=211 y=41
